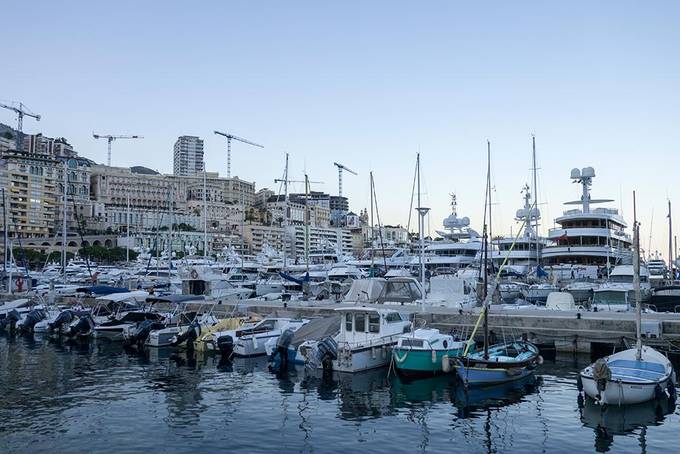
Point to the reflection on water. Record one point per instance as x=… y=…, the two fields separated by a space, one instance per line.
x=90 y=396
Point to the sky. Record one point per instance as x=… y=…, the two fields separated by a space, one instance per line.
x=369 y=85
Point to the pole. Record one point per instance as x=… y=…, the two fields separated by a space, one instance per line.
x=307 y=221
x=533 y=158
x=172 y=221
x=285 y=213
x=372 y=231
x=127 y=219
x=636 y=282
x=205 y=216
x=63 y=238
x=670 y=241
x=488 y=176
x=421 y=234
x=4 y=234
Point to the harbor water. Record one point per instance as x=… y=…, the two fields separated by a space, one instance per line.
x=94 y=396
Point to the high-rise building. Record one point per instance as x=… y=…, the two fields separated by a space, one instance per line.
x=188 y=156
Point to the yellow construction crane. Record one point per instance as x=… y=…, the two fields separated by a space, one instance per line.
x=229 y=137
x=110 y=138
x=20 y=111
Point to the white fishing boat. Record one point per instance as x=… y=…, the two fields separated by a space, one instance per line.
x=635 y=375
x=250 y=339
x=365 y=341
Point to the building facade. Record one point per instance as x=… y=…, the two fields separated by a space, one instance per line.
x=188 y=156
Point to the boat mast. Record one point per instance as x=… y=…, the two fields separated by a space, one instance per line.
x=636 y=282
x=485 y=291
x=307 y=221
x=285 y=213
x=127 y=230
x=4 y=233
x=63 y=239
x=422 y=212
x=488 y=173
x=205 y=218
x=670 y=242
x=533 y=169
x=372 y=230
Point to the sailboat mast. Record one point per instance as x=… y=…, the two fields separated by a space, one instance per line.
x=205 y=217
x=421 y=237
x=533 y=170
x=307 y=221
x=372 y=231
x=485 y=292
x=488 y=177
x=285 y=213
x=636 y=282
x=670 y=242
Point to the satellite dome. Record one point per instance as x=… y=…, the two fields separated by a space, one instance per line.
x=575 y=173
x=588 y=172
x=521 y=213
x=465 y=221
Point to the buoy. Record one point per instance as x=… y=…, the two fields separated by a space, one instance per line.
x=446 y=364
x=540 y=360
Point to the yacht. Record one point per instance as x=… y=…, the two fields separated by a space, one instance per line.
x=458 y=247
x=618 y=293
x=527 y=247
x=588 y=241
x=390 y=256
x=657 y=270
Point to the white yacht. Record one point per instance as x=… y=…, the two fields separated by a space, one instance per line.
x=527 y=247
x=588 y=241
x=390 y=255
x=458 y=247
x=618 y=293
x=658 y=270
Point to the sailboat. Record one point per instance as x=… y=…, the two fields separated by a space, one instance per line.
x=635 y=375
x=502 y=362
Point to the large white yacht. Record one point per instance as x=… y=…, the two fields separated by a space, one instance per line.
x=526 y=251
x=588 y=241
x=458 y=247
x=390 y=255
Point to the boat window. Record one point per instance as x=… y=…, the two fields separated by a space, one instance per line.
x=348 y=322
x=360 y=323
x=266 y=324
x=411 y=342
x=373 y=323
x=393 y=317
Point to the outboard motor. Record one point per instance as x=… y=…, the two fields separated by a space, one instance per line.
x=189 y=335
x=63 y=318
x=141 y=332
x=327 y=351
x=33 y=317
x=11 y=319
x=225 y=344
x=282 y=345
x=82 y=327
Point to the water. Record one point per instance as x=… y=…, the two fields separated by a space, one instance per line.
x=95 y=397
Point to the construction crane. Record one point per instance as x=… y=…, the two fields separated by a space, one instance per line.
x=229 y=138
x=110 y=138
x=340 y=169
x=20 y=111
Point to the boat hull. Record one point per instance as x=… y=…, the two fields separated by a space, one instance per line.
x=621 y=393
x=422 y=362
x=357 y=360
x=480 y=376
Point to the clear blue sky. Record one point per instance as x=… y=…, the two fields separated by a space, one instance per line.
x=369 y=84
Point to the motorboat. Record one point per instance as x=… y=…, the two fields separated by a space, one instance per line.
x=365 y=341
x=666 y=298
x=582 y=291
x=249 y=339
x=426 y=352
x=539 y=293
x=561 y=301
x=212 y=284
x=512 y=290
x=304 y=338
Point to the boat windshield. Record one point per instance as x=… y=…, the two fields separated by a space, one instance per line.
x=621 y=279
x=610 y=298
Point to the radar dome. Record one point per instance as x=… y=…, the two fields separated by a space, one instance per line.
x=588 y=172
x=575 y=173
x=465 y=221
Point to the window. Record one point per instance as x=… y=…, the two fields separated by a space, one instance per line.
x=360 y=323
x=348 y=322
x=411 y=342
x=374 y=323
x=393 y=317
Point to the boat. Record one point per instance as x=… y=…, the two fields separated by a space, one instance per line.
x=283 y=353
x=425 y=352
x=666 y=298
x=539 y=293
x=634 y=375
x=249 y=339
x=365 y=341
x=494 y=363
x=618 y=293
x=561 y=301
x=582 y=291
x=458 y=247
x=588 y=241
x=205 y=281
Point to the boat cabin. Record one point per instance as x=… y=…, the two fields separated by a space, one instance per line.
x=362 y=324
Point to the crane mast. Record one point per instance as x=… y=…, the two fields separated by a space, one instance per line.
x=20 y=111
x=340 y=169
x=239 y=139
x=110 y=138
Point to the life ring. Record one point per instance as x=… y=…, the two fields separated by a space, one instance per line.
x=194 y=274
